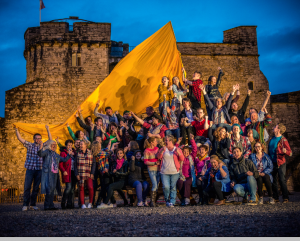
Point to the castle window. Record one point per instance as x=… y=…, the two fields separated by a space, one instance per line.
x=250 y=85
x=76 y=59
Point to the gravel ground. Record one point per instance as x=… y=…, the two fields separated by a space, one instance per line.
x=228 y=220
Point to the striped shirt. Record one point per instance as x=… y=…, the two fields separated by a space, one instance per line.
x=150 y=156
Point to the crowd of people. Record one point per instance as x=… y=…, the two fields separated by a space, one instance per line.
x=218 y=154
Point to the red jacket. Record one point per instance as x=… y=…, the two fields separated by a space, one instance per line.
x=65 y=166
x=283 y=143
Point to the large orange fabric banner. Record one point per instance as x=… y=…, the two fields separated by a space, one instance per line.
x=132 y=85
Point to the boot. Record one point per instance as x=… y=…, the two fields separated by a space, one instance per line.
x=153 y=199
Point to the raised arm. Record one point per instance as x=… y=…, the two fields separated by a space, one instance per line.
x=194 y=146
x=229 y=101
x=208 y=101
x=96 y=113
x=19 y=136
x=49 y=133
x=219 y=77
x=82 y=124
x=71 y=132
x=246 y=102
x=266 y=100
x=137 y=118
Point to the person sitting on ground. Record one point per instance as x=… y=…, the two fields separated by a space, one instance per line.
x=50 y=176
x=156 y=128
x=219 y=113
x=137 y=179
x=220 y=143
x=109 y=116
x=261 y=115
x=178 y=89
x=278 y=148
x=238 y=140
x=171 y=158
x=186 y=116
x=170 y=118
x=200 y=124
x=187 y=176
x=194 y=94
x=212 y=89
x=260 y=126
x=164 y=90
x=33 y=165
x=241 y=112
x=202 y=163
x=153 y=165
x=218 y=184
x=68 y=175
x=243 y=175
x=264 y=166
x=84 y=171
x=119 y=171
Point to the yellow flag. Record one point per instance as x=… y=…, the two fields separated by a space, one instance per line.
x=132 y=85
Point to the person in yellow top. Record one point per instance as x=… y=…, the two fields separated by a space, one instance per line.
x=164 y=89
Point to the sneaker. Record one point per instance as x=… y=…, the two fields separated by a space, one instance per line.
x=83 y=206
x=171 y=205
x=187 y=201
x=24 y=208
x=260 y=201
x=251 y=203
x=146 y=204
x=167 y=204
x=90 y=205
x=140 y=204
x=34 y=208
x=285 y=201
x=272 y=201
x=103 y=205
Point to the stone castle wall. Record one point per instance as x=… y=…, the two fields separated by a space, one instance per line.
x=54 y=88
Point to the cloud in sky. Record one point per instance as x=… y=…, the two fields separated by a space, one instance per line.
x=133 y=21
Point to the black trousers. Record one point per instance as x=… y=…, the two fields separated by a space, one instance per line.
x=215 y=191
x=186 y=131
x=201 y=186
x=279 y=173
x=118 y=187
x=266 y=180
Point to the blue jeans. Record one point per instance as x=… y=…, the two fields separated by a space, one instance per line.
x=169 y=186
x=175 y=133
x=162 y=104
x=245 y=188
x=48 y=203
x=31 y=176
x=141 y=189
x=155 y=178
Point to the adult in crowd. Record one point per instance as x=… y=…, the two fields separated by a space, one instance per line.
x=109 y=116
x=33 y=165
x=119 y=170
x=218 y=181
x=84 y=171
x=112 y=135
x=170 y=118
x=212 y=89
x=202 y=163
x=137 y=179
x=200 y=123
x=238 y=140
x=227 y=95
x=87 y=121
x=278 y=148
x=241 y=112
x=127 y=134
x=178 y=89
x=264 y=166
x=234 y=120
x=219 y=112
x=243 y=175
x=194 y=93
x=156 y=128
x=186 y=116
x=50 y=176
x=164 y=92
x=153 y=166
x=187 y=175
x=252 y=137
x=220 y=143
x=260 y=126
x=149 y=112
x=170 y=157
x=68 y=175
x=79 y=135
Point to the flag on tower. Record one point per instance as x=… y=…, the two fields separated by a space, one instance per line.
x=41 y=5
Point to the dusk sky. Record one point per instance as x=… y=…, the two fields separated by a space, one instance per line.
x=133 y=21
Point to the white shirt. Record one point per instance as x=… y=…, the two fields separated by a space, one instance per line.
x=168 y=164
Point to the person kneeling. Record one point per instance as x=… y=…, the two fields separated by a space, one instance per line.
x=218 y=181
x=243 y=174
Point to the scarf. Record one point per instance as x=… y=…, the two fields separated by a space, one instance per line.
x=120 y=163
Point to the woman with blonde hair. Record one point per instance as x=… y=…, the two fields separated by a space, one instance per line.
x=218 y=181
x=164 y=89
x=178 y=89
